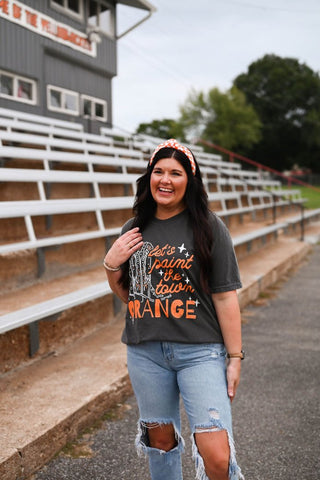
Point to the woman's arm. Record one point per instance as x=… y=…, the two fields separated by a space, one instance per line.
x=116 y=287
x=229 y=317
x=119 y=253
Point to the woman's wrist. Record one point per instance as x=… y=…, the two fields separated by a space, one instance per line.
x=239 y=355
x=234 y=361
x=111 y=268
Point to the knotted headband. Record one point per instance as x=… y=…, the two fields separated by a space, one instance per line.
x=172 y=143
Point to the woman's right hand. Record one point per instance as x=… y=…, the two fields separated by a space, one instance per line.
x=124 y=247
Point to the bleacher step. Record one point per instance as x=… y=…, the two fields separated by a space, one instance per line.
x=45 y=404
x=49 y=315
x=46 y=289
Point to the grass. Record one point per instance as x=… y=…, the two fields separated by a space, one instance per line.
x=313 y=197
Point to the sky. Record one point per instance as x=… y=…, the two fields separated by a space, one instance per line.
x=200 y=45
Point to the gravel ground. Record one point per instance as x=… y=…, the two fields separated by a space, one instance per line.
x=276 y=412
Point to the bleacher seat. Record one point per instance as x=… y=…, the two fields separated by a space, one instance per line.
x=17 y=116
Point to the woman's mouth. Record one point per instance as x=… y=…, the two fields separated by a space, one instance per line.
x=165 y=190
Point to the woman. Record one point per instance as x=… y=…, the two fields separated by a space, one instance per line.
x=175 y=267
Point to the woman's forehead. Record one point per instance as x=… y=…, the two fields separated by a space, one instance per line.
x=169 y=163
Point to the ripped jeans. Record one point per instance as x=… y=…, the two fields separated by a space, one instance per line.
x=159 y=373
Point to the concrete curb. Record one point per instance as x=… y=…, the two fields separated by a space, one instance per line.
x=27 y=460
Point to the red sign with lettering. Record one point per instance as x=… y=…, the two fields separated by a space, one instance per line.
x=31 y=19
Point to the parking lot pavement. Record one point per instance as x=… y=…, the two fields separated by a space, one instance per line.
x=276 y=412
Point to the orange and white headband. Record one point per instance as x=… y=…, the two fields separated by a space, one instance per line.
x=172 y=143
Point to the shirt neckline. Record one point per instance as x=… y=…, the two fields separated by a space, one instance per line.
x=170 y=219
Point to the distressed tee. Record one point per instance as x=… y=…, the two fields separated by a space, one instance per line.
x=166 y=301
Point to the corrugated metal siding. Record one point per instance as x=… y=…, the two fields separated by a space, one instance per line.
x=106 y=50
x=32 y=55
x=19 y=53
x=18 y=44
x=76 y=77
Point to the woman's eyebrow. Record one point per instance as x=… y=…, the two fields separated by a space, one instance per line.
x=178 y=170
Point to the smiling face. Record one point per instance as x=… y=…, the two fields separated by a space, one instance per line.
x=168 y=183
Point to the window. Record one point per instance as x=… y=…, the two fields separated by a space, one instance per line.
x=101 y=16
x=6 y=85
x=17 y=88
x=94 y=108
x=62 y=100
x=71 y=7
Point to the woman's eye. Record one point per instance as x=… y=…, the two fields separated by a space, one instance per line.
x=160 y=172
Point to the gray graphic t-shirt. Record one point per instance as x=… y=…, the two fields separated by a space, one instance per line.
x=166 y=301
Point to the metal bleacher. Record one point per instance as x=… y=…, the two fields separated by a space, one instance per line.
x=51 y=172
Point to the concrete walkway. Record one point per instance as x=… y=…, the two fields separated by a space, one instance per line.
x=277 y=415
x=276 y=412
x=46 y=404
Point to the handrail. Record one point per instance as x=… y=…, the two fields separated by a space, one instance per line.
x=233 y=155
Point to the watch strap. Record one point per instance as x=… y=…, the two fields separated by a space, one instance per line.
x=240 y=355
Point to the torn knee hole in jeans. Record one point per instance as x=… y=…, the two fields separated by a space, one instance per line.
x=215 y=425
x=142 y=438
x=146 y=426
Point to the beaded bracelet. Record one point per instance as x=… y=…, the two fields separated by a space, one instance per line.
x=111 y=269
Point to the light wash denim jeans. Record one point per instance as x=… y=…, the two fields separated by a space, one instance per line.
x=159 y=373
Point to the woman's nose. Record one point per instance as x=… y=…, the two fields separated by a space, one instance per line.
x=165 y=178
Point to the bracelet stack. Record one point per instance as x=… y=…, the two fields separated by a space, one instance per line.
x=109 y=268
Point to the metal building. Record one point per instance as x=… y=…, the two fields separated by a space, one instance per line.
x=58 y=57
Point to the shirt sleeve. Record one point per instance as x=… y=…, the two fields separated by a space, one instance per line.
x=225 y=274
x=127 y=226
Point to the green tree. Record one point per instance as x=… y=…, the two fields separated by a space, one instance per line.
x=166 y=128
x=222 y=118
x=286 y=96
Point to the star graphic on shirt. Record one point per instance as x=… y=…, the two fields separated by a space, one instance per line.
x=196 y=302
x=160 y=272
x=182 y=248
x=187 y=280
x=187 y=255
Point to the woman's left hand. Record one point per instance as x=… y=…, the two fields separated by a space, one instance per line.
x=233 y=376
